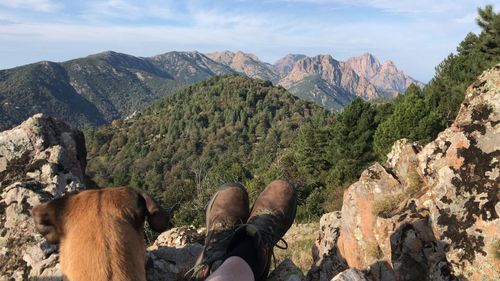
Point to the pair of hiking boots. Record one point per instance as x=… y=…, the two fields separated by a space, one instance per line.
x=234 y=230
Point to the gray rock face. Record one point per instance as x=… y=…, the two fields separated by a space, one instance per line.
x=462 y=171
x=39 y=160
x=178 y=237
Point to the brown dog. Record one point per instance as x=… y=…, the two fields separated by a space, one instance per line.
x=100 y=232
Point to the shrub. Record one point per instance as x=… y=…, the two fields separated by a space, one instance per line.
x=388 y=205
x=495 y=249
x=300 y=239
x=373 y=250
x=414 y=181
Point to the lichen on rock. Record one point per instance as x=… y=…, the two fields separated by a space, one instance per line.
x=39 y=160
x=448 y=214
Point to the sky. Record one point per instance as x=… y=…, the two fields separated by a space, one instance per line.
x=415 y=34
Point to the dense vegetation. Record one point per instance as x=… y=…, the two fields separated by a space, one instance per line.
x=236 y=129
x=182 y=148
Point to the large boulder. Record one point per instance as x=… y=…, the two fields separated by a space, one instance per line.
x=432 y=213
x=39 y=160
x=462 y=168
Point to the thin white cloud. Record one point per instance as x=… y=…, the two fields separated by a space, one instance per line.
x=267 y=37
x=426 y=8
x=131 y=10
x=47 y=6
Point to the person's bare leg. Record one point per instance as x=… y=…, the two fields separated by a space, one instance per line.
x=234 y=268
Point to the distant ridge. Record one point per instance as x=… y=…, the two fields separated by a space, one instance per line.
x=99 y=88
x=102 y=87
x=323 y=79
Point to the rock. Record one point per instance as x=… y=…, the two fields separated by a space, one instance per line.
x=171 y=263
x=327 y=261
x=461 y=167
x=245 y=63
x=350 y=275
x=286 y=271
x=39 y=160
x=364 y=237
x=178 y=237
x=432 y=213
x=173 y=254
x=329 y=225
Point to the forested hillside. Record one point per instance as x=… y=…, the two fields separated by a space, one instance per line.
x=182 y=148
x=236 y=129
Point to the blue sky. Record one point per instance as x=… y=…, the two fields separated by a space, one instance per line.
x=415 y=34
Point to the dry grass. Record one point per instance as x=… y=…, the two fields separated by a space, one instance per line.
x=388 y=205
x=300 y=239
x=495 y=249
x=335 y=199
x=414 y=181
x=373 y=251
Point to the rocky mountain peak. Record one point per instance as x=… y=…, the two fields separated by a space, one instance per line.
x=246 y=56
x=389 y=63
x=389 y=67
x=365 y=65
x=338 y=76
x=284 y=65
x=323 y=66
x=245 y=63
x=231 y=58
x=224 y=57
x=107 y=53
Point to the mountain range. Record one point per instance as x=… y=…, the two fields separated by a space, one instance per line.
x=323 y=79
x=100 y=88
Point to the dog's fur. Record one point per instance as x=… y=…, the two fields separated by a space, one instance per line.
x=100 y=232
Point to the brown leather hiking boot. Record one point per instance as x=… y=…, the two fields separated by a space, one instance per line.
x=272 y=215
x=227 y=209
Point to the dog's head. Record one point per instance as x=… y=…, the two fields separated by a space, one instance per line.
x=99 y=207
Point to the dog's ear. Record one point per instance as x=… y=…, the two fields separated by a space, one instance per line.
x=48 y=219
x=158 y=218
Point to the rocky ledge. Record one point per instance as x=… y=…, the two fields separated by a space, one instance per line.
x=40 y=159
